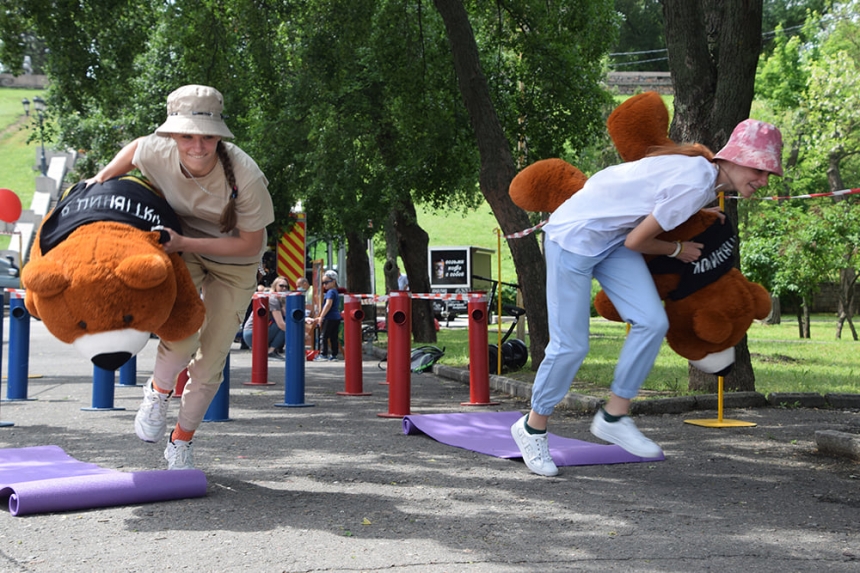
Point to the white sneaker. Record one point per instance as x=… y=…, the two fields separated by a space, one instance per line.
x=624 y=433
x=534 y=448
x=179 y=454
x=150 y=423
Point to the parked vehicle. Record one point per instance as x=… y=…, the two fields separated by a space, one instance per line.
x=10 y=274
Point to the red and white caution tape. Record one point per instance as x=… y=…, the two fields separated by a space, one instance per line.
x=809 y=196
x=268 y=294
x=16 y=292
x=529 y=231
x=476 y=296
x=473 y=296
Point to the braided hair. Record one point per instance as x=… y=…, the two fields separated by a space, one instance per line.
x=228 y=215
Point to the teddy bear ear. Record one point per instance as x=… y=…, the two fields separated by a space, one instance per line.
x=545 y=184
x=639 y=123
x=142 y=272
x=44 y=277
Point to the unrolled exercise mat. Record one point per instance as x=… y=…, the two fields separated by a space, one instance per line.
x=490 y=433
x=46 y=479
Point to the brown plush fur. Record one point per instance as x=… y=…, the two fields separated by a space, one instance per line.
x=639 y=123
x=545 y=185
x=710 y=320
x=109 y=276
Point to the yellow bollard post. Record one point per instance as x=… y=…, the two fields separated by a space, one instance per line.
x=720 y=422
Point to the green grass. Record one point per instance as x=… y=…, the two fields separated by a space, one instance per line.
x=781 y=361
x=17 y=157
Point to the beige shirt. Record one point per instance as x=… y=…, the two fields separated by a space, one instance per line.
x=199 y=202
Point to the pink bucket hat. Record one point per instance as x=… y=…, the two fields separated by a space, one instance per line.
x=754 y=144
x=195 y=110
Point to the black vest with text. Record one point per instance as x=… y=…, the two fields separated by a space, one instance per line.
x=717 y=259
x=124 y=199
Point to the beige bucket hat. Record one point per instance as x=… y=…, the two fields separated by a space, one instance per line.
x=195 y=110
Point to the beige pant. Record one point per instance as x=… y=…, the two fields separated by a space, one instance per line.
x=226 y=291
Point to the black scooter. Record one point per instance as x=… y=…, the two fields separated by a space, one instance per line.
x=515 y=353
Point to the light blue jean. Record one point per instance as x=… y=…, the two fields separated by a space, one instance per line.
x=624 y=276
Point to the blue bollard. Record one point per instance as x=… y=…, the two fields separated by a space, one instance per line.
x=19 y=349
x=219 y=408
x=128 y=373
x=294 y=352
x=2 y=320
x=102 y=391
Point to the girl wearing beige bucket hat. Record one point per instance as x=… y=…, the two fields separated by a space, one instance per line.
x=601 y=232
x=223 y=203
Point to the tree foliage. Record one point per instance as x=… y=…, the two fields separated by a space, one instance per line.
x=351 y=106
x=810 y=241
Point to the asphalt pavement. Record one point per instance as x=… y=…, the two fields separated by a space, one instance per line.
x=333 y=486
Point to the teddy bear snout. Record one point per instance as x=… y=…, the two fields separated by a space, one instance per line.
x=111 y=349
x=111 y=360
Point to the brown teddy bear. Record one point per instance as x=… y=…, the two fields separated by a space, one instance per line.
x=710 y=304
x=99 y=279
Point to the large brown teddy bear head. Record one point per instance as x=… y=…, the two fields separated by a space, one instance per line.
x=99 y=279
x=710 y=304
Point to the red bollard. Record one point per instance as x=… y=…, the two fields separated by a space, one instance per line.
x=352 y=317
x=399 y=373
x=479 y=361
x=260 y=341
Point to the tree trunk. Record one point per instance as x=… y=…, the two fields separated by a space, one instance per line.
x=805 y=330
x=713 y=48
x=847 y=275
x=834 y=175
x=497 y=171
x=800 y=319
x=357 y=264
x=847 y=281
x=775 y=311
x=391 y=253
x=412 y=243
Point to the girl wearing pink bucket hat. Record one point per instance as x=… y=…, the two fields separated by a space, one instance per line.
x=601 y=232
x=753 y=144
x=223 y=203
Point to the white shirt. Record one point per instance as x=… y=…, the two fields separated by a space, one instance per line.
x=615 y=200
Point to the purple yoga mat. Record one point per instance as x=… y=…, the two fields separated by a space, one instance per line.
x=490 y=433
x=46 y=479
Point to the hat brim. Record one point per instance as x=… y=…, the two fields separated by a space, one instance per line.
x=744 y=160
x=193 y=126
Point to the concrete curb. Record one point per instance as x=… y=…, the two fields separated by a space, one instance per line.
x=840 y=444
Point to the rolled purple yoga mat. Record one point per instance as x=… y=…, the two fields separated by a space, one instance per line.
x=46 y=479
x=105 y=490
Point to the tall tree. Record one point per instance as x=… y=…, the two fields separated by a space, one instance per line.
x=490 y=118
x=713 y=49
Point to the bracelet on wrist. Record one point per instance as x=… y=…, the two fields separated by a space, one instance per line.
x=678 y=248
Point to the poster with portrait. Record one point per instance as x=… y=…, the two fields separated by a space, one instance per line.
x=449 y=267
